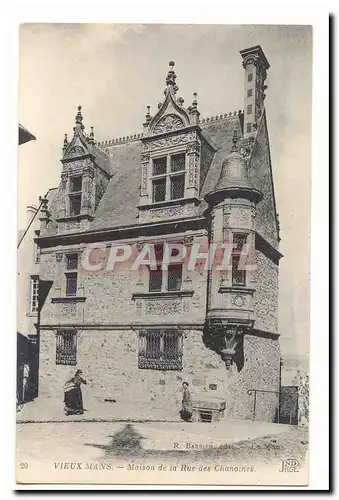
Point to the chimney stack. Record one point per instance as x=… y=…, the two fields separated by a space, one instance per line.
x=256 y=66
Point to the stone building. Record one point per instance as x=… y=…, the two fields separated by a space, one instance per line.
x=137 y=333
x=27 y=305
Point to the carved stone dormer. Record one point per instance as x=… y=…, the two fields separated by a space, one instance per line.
x=170 y=161
x=83 y=180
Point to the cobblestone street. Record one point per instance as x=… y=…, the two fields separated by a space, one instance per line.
x=231 y=440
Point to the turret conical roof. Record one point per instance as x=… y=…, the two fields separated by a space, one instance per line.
x=234 y=178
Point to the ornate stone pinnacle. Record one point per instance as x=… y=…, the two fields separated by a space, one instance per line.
x=148 y=117
x=65 y=143
x=195 y=102
x=234 y=140
x=79 y=118
x=44 y=207
x=171 y=77
x=91 y=136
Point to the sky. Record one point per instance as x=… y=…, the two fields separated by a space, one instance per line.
x=115 y=71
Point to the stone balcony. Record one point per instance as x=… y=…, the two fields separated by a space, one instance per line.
x=236 y=306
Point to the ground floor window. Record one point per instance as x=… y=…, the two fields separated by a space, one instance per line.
x=160 y=349
x=66 y=347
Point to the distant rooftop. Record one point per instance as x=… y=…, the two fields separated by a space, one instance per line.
x=25 y=135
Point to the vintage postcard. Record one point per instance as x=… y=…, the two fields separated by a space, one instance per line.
x=163 y=254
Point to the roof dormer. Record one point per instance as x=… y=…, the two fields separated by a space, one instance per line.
x=84 y=178
x=170 y=160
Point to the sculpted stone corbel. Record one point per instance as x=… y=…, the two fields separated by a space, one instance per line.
x=232 y=338
x=227 y=341
x=145 y=157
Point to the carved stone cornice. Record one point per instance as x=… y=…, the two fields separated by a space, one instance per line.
x=252 y=59
x=187 y=132
x=77 y=157
x=238 y=290
x=64 y=300
x=256 y=56
x=170 y=203
x=163 y=295
x=151 y=228
x=70 y=218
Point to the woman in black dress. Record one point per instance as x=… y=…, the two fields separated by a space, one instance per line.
x=73 y=395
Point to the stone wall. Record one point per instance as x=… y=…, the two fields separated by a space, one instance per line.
x=109 y=294
x=265 y=300
x=109 y=356
x=109 y=360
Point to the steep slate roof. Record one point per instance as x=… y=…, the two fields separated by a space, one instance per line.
x=53 y=207
x=118 y=206
x=101 y=159
x=219 y=133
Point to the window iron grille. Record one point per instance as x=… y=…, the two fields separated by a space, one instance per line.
x=75 y=204
x=71 y=284
x=165 y=280
x=159 y=252
x=159 y=166
x=66 y=348
x=238 y=275
x=72 y=262
x=75 y=184
x=177 y=163
x=160 y=350
x=239 y=241
x=155 y=280
x=159 y=190
x=34 y=294
x=177 y=187
x=174 y=277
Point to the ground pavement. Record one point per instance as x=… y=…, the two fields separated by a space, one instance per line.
x=97 y=440
x=51 y=410
x=108 y=451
